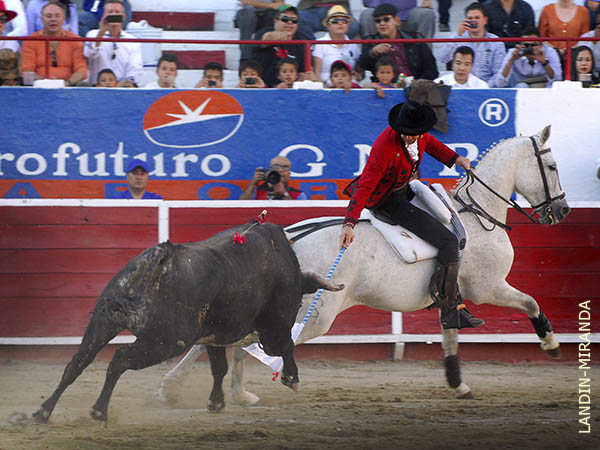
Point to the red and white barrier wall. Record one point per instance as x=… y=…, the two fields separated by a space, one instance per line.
x=56 y=256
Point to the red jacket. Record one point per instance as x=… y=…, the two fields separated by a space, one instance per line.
x=390 y=166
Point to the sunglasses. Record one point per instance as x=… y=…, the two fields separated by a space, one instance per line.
x=53 y=56
x=287 y=19
x=383 y=19
x=336 y=21
x=4 y=18
x=280 y=166
x=535 y=44
x=115 y=48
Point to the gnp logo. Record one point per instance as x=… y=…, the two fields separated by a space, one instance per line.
x=494 y=112
x=188 y=119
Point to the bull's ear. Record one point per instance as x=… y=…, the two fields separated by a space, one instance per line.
x=545 y=134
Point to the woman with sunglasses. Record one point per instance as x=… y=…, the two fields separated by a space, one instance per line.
x=66 y=60
x=336 y=22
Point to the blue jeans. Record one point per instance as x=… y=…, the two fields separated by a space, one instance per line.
x=311 y=21
x=444 y=10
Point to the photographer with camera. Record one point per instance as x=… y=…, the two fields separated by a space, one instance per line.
x=212 y=76
x=530 y=64
x=488 y=55
x=123 y=58
x=273 y=183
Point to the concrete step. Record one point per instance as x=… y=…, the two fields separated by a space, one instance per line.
x=231 y=51
x=202 y=21
x=197 y=59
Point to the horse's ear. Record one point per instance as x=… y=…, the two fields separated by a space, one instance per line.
x=545 y=134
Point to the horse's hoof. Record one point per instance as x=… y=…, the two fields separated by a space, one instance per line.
x=554 y=353
x=464 y=392
x=41 y=416
x=98 y=415
x=291 y=382
x=467 y=396
x=215 y=407
x=245 y=399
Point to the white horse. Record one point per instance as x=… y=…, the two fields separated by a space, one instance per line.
x=375 y=276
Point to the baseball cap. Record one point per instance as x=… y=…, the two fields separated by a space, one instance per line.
x=137 y=163
x=287 y=7
x=385 y=9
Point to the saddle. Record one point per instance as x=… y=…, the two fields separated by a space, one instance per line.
x=435 y=201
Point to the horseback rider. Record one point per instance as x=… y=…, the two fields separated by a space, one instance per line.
x=383 y=187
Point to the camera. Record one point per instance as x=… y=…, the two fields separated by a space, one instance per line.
x=472 y=23
x=272 y=176
x=527 y=51
x=212 y=83
x=115 y=18
x=250 y=80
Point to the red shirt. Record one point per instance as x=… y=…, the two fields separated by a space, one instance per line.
x=390 y=166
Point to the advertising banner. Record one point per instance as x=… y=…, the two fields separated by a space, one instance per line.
x=204 y=144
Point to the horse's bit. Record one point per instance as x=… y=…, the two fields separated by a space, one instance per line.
x=476 y=209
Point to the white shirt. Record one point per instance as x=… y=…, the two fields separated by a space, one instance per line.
x=413 y=150
x=17 y=26
x=127 y=63
x=329 y=53
x=472 y=82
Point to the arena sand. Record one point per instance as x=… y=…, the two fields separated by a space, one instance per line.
x=371 y=405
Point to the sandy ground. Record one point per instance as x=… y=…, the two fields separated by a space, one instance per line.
x=372 y=405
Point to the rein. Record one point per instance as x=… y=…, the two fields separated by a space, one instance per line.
x=476 y=208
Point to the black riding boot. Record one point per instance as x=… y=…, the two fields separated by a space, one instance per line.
x=443 y=288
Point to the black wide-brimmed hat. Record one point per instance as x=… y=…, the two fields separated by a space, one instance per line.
x=412 y=118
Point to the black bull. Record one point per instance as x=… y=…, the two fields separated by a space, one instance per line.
x=212 y=292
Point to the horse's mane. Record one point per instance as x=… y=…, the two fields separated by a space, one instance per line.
x=481 y=158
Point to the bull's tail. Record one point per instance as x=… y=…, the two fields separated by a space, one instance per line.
x=311 y=282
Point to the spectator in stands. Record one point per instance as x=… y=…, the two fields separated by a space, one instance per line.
x=337 y=22
x=279 y=190
x=34 y=15
x=13 y=25
x=166 y=69
x=594 y=45
x=593 y=7
x=529 y=63
x=137 y=181
x=287 y=72
x=462 y=66
x=6 y=15
x=212 y=76
x=124 y=58
x=313 y=13
x=285 y=27
x=563 y=18
x=250 y=75
x=509 y=18
x=92 y=12
x=414 y=59
x=340 y=76
x=582 y=66
x=488 y=55
x=385 y=76
x=415 y=19
x=107 y=78
x=66 y=57
x=9 y=66
x=254 y=15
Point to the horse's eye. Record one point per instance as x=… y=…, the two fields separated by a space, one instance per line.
x=552 y=167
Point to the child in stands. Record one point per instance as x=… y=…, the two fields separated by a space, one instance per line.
x=340 y=76
x=287 y=73
x=107 y=78
x=212 y=77
x=250 y=75
x=385 y=76
x=166 y=70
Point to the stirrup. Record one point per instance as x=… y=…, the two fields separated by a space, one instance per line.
x=459 y=318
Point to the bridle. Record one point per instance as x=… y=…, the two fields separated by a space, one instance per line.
x=476 y=208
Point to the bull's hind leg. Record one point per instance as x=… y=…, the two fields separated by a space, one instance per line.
x=144 y=352
x=97 y=335
x=218 y=367
x=506 y=295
